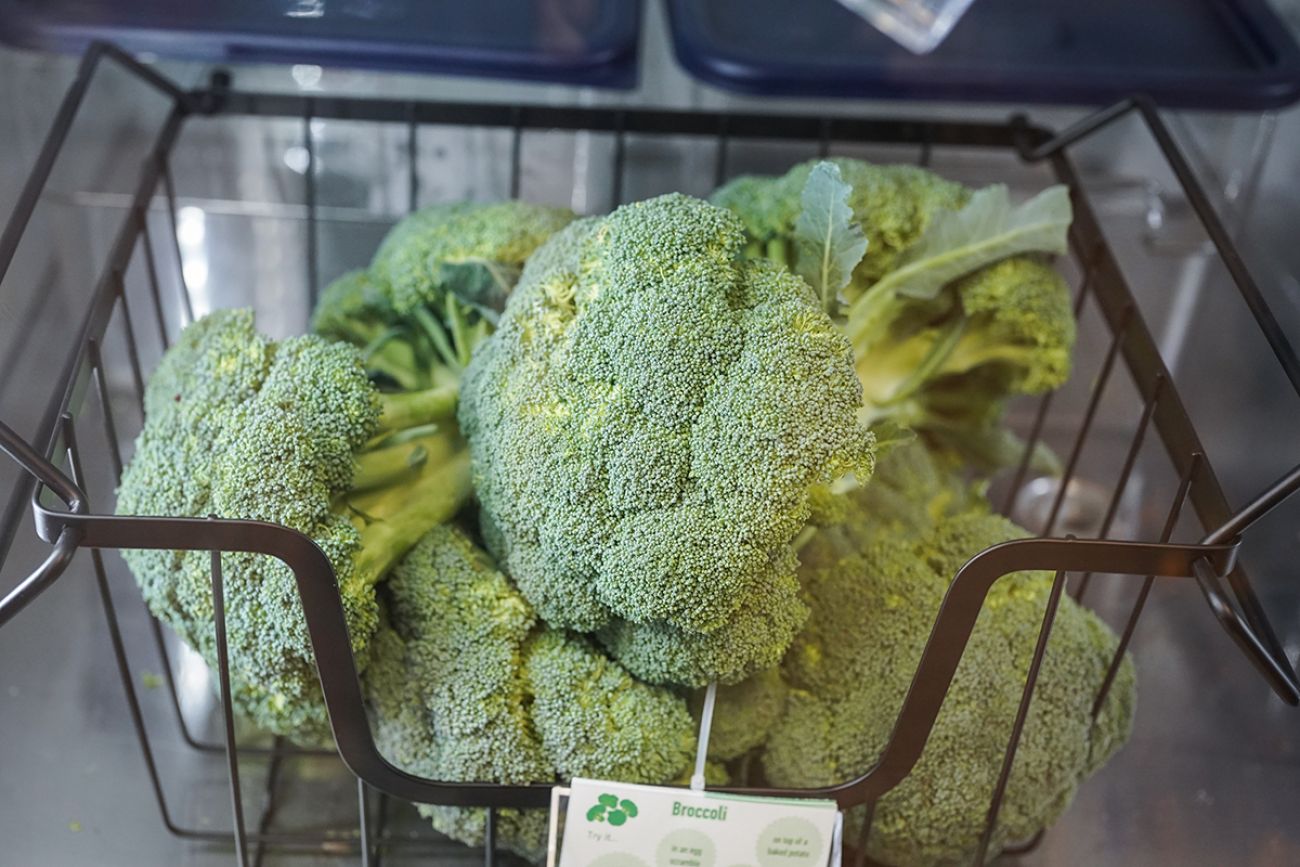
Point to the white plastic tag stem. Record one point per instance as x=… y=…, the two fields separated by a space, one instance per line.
x=702 y=746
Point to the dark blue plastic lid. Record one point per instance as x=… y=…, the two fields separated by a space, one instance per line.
x=584 y=42
x=1229 y=55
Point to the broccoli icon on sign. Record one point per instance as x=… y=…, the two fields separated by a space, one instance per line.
x=608 y=808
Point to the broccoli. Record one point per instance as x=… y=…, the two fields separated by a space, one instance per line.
x=951 y=311
x=875 y=589
x=645 y=425
x=434 y=288
x=466 y=684
x=291 y=432
x=423 y=253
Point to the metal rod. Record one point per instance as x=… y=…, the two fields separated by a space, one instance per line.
x=132 y=348
x=1139 y=603
x=412 y=161
x=1264 y=502
x=268 y=798
x=30 y=195
x=1022 y=713
x=309 y=193
x=516 y=151
x=169 y=188
x=227 y=710
x=119 y=647
x=620 y=159
x=720 y=158
x=382 y=830
x=864 y=834
x=1228 y=251
x=1130 y=460
x=490 y=838
x=1276 y=668
x=1201 y=204
x=535 y=116
x=93 y=324
x=364 y=820
x=1085 y=426
x=110 y=429
x=151 y=270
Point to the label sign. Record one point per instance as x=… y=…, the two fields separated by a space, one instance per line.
x=623 y=825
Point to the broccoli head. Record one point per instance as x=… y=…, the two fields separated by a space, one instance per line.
x=874 y=601
x=467 y=685
x=940 y=359
x=646 y=423
x=291 y=432
x=421 y=254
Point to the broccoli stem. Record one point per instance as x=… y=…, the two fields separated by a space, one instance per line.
x=437 y=335
x=385 y=466
x=944 y=344
x=401 y=410
x=867 y=318
x=391 y=355
x=399 y=519
x=778 y=251
x=460 y=339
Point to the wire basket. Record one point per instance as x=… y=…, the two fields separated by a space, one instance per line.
x=54 y=469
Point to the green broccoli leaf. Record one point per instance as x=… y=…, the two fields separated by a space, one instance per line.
x=830 y=243
x=481 y=284
x=986 y=230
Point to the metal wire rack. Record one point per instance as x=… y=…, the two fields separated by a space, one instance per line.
x=54 y=464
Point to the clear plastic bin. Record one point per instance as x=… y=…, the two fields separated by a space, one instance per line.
x=917 y=25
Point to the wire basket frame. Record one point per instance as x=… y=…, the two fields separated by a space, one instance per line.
x=54 y=465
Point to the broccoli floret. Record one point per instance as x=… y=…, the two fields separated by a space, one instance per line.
x=292 y=432
x=873 y=607
x=943 y=365
x=413 y=259
x=467 y=685
x=646 y=423
x=447 y=686
x=596 y=720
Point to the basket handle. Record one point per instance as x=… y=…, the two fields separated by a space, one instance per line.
x=65 y=546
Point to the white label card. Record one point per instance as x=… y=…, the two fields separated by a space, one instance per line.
x=623 y=825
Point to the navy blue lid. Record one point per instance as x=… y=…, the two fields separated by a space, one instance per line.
x=1215 y=54
x=585 y=42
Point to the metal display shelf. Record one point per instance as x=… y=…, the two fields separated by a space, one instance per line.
x=53 y=465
